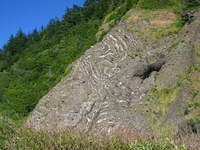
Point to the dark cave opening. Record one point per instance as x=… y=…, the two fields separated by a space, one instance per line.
x=146 y=70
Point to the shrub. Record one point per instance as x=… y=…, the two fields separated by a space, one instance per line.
x=158 y=4
x=191 y=3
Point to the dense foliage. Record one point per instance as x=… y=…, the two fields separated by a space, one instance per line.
x=191 y=3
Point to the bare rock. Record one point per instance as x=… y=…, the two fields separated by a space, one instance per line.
x=106 y=84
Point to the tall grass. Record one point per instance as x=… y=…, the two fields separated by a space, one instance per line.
x=26 y=139
x=13 y=138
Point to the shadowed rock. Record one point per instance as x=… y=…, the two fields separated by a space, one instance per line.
x=145 y=70
x=188 y=15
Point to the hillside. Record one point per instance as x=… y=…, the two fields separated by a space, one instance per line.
x=32 y=64
x=110 y=68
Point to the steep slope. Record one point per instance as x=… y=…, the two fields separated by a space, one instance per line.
x=31 y=64
x=133 y=79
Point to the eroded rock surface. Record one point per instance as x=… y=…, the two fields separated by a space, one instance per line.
x=107 y=82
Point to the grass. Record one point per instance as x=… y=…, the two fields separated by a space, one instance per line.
x=191 y=4
x=119 y=12
x=12 y=138
x=190 y=127
x=193 y=77
x=192 y=110
x=149 y=6
x=173 y=46
x=153 y=25
x=156 y=107
x=161 y=99
x=53 y=57
x=197 y=48
x=159 y=4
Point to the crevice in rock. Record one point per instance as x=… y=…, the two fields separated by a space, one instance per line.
x=188 y=16
x=146 y=70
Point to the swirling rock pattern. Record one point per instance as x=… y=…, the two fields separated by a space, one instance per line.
x=106 y=83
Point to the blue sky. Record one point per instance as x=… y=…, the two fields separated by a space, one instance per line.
x=28 y=14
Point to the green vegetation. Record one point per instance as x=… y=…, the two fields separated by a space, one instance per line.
x=119 y=12
x=190 y=127
x=26 y=139
x=161 y=99
x=173 y=46
x=159 y=4
x=158 y=31
x=114 y=17
x=193 y=125
x=156 y=108
x=191 y=78
x=30 y=65
x=41 y=65
x=192 y=111
x=161 y=23
x=191 y=4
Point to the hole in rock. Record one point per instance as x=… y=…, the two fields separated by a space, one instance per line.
x=146 y=70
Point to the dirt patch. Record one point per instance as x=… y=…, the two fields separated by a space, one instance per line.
x=151 y=24
x=163 y=18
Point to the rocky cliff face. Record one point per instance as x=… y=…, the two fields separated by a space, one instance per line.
x=131 y=79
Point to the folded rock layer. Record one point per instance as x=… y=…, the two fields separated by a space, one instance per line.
x=110 y=83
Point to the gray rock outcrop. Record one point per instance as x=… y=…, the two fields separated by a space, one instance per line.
x=107 y=82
